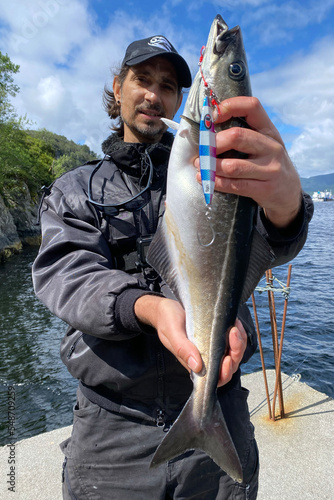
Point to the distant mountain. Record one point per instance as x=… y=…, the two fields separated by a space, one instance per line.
x=318 y=183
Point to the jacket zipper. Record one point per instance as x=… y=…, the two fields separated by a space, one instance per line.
x=160 y=418
x=72 y=348
x=160 y=413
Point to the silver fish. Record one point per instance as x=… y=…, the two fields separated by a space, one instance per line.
x=203 y=256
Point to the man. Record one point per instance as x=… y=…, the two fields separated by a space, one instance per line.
x=126 y=341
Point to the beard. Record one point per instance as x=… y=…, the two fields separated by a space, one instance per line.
x=151 y=131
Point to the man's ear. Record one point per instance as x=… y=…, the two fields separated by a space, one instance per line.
x=116 y=86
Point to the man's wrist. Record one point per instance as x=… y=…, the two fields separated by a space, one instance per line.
x=145 y=309
x=282 y=219
x=125 y=317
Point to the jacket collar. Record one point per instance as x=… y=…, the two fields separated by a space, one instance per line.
x=128 y=156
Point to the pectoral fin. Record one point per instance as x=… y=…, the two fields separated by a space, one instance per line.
x=261 y=256
x=170 y=123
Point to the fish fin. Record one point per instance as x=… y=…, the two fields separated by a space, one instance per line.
x=261 y=257
x=194 y=129
x=170 y=123
x=158 y=257
x=211 y=435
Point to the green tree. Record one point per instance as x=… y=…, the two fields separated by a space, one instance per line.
x=71 y=160
x=67 y=153
x=30 y=158
x=63 y=146
x=23 y=159
x=7 y=87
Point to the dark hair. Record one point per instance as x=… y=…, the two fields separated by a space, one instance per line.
x=110 y=104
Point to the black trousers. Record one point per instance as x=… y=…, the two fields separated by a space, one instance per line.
x=108 y=457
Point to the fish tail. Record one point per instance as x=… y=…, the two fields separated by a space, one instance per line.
x=210 y=435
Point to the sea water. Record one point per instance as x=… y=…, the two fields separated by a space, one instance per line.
x=37 y=392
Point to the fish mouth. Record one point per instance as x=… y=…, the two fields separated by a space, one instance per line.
x=224 y=35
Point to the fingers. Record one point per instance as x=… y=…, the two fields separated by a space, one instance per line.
x=265 y=172
x=172 y=334
x=171 y=329
x=231 y=362
x=169 y=319
x=252 y=111
x=247 y=141
x=184 y=350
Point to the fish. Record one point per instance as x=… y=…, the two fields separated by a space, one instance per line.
x=203 y=254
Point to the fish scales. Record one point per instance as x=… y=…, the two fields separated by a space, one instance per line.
x=203 y=256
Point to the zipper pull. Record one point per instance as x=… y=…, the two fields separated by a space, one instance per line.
x=160 y=418
x=71 y=351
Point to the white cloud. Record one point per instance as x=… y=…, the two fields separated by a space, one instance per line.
x=50 y=93
x=65 y=58
x=312 y=149
x=45 y=29
x=64 y=63
x=277 y=22
x=301 y=93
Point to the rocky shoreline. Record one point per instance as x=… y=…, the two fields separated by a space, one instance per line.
x=18 y=223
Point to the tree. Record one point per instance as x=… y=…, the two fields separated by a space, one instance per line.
x=67 y=153
x=68 y=161
x=30 y=157
x=7 y=87
x=23 y=159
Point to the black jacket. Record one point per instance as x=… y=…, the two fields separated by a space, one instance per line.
x=87 y=274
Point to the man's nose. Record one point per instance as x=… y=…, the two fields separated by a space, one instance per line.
x=153 y=94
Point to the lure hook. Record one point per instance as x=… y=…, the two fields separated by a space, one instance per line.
x=208 y=218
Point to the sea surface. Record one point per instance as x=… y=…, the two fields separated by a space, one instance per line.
x=37 y=392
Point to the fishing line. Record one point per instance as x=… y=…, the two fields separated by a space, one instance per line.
x=295 y=374
x=210 y=93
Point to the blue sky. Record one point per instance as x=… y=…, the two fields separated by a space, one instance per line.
x=67 y=48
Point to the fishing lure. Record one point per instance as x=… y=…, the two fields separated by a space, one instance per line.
x=207 y=139
x=207 y=150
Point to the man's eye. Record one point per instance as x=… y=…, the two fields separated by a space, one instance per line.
x=141 y=79
x=168 y=88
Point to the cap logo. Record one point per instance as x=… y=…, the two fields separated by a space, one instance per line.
x=161 y=42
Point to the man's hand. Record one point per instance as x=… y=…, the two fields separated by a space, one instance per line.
x=168 y=318
x=231 y=362
x=267 y=175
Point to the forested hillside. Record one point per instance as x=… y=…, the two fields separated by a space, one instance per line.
x=66 y=154
x=29 y=159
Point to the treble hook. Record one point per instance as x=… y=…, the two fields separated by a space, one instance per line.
x=208 y=218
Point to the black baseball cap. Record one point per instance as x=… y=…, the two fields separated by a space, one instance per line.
x=142 y=50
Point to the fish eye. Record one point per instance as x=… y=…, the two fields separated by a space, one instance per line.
x=237 y=70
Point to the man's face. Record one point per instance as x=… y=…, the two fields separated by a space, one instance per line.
x=149 y=92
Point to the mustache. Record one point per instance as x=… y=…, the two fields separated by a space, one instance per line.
x=151 y=107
